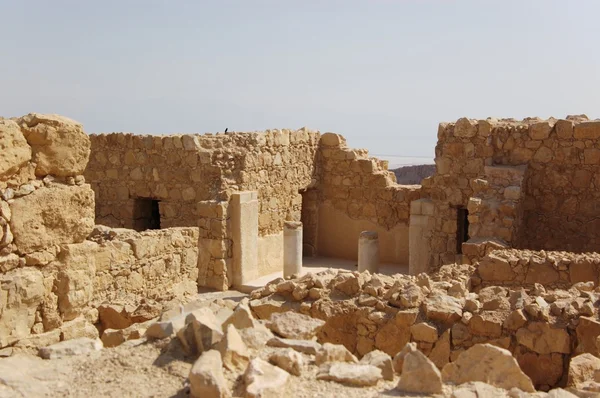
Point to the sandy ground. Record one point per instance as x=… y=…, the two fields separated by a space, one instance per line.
x=149 y=369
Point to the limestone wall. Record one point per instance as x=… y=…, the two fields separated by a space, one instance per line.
x=358 y=193
x=182 y=170
x=551 y=207
x=159 y=265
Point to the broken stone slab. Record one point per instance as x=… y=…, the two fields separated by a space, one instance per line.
x=234 y=352
x=289 y=360
x=68 y=348
x=350 y=373
x=292 y=325
x=490 y=364
x=334 y=353
x=380 y=360
x=419 y=374
x=264 y=380
x=206 y=377
x=304 y=346
x=256 y=337
x=40 y=340
x=241 y=318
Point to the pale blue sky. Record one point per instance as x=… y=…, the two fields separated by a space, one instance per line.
x=383 y=73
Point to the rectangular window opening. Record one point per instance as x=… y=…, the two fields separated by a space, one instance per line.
x=462 y=230
x=146 y=214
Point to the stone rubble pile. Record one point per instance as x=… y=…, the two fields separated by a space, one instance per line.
x=240 y=355
x=444 y=315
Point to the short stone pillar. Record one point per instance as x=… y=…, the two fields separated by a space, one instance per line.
x=292 y=248
x=368 y=251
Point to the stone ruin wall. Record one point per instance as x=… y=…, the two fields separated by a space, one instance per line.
x=531 y=183
x=298 y=176
x=52 y=279
x=358 y=193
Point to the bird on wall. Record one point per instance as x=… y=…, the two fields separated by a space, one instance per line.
x=226 y=129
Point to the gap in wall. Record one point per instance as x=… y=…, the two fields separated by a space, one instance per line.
x=146 y=214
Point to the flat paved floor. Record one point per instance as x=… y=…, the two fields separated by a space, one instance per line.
x=318 y=264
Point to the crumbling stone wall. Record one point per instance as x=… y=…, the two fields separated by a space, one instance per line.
x=46 y=212
x=52 y=279
x=359 y=193
x=551 y=207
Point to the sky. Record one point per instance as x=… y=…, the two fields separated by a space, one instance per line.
x=383 y=73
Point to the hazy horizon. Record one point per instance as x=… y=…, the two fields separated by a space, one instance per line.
x=382 y=73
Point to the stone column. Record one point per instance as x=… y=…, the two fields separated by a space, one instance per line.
x=292 y=248
x=419 y=233
x=368 y=251
x=244 y=232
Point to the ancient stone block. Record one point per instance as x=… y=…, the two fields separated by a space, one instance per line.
x=60 y=146
x=14 y=149
x=52 y=216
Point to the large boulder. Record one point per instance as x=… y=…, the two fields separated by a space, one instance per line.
x=14 y=150
x=489 y=364
x=60 y=146
x=51 y=216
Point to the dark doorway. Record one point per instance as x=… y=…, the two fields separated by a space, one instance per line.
x=146 y=214
x=462 y=230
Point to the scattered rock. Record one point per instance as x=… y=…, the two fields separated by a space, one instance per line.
x=380 y=360
x=264 y=380
x=206 y=377
x=289 y=360
x=582 y=368
x=419 y=374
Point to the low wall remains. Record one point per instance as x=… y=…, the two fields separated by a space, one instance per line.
x=511 y=267
x=160 y=265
